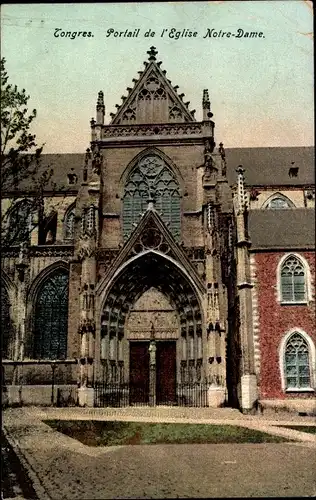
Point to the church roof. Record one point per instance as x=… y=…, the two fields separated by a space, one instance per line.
x=271 y=166
x=62 y=164
x=286 y=229
x=263 y=167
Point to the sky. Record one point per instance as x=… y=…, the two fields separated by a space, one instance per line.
x=261 y=89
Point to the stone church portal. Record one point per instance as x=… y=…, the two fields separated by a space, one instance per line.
x=152 y=300
x=160 y=269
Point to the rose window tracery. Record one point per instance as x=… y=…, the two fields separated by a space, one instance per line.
x=151 y=179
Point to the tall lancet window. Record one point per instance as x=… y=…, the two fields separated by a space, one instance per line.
x=51 y=317
x=293 y=280
x=297 y=369
x=151 y=178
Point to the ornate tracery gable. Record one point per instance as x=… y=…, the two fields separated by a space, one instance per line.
x=151 y=179
x=152 y=99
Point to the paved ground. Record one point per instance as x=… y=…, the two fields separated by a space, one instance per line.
x=62 y=468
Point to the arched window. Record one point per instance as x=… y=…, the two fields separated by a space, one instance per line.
x=151 y=178
x=21 y=222
x=69 y=224
x=278 y=201
x=297 y=363
x=293 y=280
x=51 y=317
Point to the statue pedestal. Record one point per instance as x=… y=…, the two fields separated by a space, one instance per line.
x=86 y=396
x=249 y=393
x=216 y=396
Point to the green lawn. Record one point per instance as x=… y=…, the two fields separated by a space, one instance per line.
x=109 y=433
x=311 y=429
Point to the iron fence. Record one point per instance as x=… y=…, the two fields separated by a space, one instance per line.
x=193 y=394
x=121 y=394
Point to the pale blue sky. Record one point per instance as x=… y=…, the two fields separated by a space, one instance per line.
x=261 y=90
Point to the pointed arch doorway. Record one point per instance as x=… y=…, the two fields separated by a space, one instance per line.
x=151 y=291
x=153 y=320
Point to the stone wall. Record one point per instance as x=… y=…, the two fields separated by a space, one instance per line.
x=274 y=320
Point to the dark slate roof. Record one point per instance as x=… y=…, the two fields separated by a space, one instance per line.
x=263 y=167
x=270 y=166
x=284 y=228
x=62 y=165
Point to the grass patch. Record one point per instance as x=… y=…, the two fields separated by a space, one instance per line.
x=113 y=433
x=311 y=429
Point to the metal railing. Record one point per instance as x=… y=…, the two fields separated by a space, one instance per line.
x=121 y=394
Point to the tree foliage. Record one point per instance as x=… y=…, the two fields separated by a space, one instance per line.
x=22 y=181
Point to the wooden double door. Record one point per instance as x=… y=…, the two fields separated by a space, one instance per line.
x=165 y=372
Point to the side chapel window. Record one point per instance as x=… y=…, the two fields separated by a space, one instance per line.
x=278 y=202
x=51 y=317
x=151 y=178
x=21 y=222
x=293 y=280
x=297 y=363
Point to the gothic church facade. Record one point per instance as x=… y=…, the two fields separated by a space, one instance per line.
x=166 y=261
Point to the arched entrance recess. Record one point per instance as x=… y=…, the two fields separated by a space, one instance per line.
x=152 y=298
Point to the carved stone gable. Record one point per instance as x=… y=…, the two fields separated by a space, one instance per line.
x=153 y=99
x=151 y=238
x=151 y=234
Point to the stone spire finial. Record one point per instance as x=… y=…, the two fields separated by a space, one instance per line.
x=206 y=100
x=100 y=108
x=152 y=52
x=206 y=105
x=100 y=99
x=221 y=150
x=241 y=195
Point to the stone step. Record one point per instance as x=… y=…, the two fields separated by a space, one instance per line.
x=158 y=412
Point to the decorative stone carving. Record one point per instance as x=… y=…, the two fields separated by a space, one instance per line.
x=52 y=251
x=106 y=256
x=148 y=130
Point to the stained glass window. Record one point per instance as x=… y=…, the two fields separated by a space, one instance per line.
x=293 y=281
x=51 y=318
x=151 y=178
x=21 y=222
x=279 y=202
x=297 y=369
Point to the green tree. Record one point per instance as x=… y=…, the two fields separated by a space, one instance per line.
x=22 y=179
